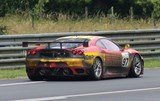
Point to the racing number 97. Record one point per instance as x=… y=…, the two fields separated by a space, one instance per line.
x=125 y=59
x=125 y=62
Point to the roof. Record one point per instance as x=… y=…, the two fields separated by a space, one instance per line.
x=87 y=37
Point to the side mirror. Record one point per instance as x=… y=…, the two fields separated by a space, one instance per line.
x=125 y=47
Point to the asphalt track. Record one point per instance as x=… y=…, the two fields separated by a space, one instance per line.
x=145 y=88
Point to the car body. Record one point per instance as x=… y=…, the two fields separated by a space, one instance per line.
x=93 y=56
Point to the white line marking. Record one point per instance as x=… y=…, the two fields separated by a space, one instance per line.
x=21 y=83
x=87 y=94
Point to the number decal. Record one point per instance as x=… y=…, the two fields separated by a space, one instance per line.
x=125 y=59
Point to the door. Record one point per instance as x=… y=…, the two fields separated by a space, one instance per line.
x=113 y=58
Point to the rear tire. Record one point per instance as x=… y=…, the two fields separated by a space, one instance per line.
x=137 y=67
x=33 y=76
x=97 y=69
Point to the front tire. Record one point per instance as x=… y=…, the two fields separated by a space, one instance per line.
x=97 y=69
x=137 y=67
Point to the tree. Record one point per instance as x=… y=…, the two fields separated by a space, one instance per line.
x=156 y=11
x=39 y=7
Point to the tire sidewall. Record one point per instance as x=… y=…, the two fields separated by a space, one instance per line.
x=94 y=76
x=33 y=76
x=132 y=70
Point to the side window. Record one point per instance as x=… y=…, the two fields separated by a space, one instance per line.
x=100 y=44
x=110 y=45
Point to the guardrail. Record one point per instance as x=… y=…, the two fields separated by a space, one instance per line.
x=12 y=54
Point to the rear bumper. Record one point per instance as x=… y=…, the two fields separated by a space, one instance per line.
x=58 y=71
x=59 y=67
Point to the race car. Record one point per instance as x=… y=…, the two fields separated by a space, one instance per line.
x=96 y=57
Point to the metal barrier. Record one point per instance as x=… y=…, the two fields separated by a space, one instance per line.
x=12 y=54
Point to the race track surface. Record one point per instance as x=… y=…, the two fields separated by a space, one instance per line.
x=145 y=88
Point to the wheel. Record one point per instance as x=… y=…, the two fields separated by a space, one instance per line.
x=136 y=68
x=96 y=70
x=33 y=75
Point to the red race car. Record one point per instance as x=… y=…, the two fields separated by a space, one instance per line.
x=93 y=56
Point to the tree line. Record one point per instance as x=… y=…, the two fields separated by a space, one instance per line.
x=78 y=8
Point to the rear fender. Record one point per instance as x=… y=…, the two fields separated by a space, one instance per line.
x=91 y=56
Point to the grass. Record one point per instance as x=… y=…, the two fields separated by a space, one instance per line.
x=12 y=73
x=20 y=73
x=152 y=63
x=23 y=25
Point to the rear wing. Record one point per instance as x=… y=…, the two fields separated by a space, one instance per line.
x=25 y=44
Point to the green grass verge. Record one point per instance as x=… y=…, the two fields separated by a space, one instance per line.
x=20 y=73
x=152 y=63
x=12 y=73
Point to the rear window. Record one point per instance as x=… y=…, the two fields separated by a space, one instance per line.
x=68 y=45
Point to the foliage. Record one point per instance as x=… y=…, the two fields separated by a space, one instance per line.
x=39 y=7
x=16 y=6
x=156 y=11
x=71 y=7
x=142 y=8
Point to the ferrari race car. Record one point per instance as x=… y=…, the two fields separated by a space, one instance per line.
x=93 y=56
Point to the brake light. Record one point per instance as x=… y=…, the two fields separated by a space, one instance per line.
x=35 y=50
x=77 y=52
x=31 y=52
x=74 y=52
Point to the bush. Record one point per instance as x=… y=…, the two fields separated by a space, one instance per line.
x=156 y=11
x=142 y=8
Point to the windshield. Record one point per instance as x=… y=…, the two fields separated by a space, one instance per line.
x=68 y=45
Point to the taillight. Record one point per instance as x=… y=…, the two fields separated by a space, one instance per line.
x=31 y=52
x=74 y=52
x=34 y=51
x=77 y=52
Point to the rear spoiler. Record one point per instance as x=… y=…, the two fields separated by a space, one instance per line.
x=25 y=44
